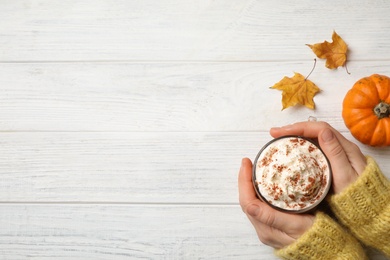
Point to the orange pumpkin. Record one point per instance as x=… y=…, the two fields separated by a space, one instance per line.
x=366 y=110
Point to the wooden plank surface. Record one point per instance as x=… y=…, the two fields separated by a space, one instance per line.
x=166 y=96
x=47 y=30
x=58 y=231
x=123 y=124
x=180 y=167
x=127 y=232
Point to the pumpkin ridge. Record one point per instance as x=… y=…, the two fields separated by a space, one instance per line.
x=352 y=120
x=367 y=95
x=356 y=98
x=377 y=131
x=364 y=137
x=386 y=134
x=382 y=84
x=386 y=125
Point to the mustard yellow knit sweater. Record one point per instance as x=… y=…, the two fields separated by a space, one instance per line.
x=363 y=213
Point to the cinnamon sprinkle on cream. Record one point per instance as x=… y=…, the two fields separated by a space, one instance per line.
x=292 y=173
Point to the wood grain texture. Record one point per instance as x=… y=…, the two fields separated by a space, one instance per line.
x=123 y=123
x=132 y=168
x=166 y=96
x=69 y=231
x=127 y=232
x=47 y=30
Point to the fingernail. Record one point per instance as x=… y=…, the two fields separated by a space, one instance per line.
x=327 y=135
x=253 y=210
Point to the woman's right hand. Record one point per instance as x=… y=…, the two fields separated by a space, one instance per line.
x=345 y=157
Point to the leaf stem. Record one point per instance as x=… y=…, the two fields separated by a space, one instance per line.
x=315 y=62
x=346 y=68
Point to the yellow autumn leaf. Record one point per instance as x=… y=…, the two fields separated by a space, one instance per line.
x=297 y=90
x=334 y=52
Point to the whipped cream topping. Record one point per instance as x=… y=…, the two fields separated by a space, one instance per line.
x=292 y=173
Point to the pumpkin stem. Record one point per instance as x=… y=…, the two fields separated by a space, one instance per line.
x=382 y=110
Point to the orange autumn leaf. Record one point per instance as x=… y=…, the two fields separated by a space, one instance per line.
x=297 y=90
x=334 y=52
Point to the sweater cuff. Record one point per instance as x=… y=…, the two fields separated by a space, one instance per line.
x=324 y=240
x=364 y=207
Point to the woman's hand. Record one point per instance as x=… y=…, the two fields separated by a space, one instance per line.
x=274 y=228
x=279 y=229
x=345 y=157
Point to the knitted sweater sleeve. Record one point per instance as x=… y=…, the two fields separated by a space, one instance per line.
x=324 y=240
x=364 y=208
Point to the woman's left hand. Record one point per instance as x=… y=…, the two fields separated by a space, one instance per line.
x=274 y=228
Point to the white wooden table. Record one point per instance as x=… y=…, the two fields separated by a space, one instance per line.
x=123 y=123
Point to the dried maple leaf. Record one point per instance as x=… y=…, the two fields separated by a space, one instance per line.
x=334 y=52
x=297 y=90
